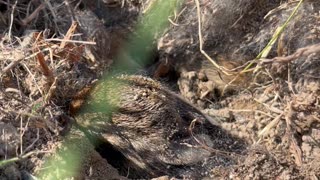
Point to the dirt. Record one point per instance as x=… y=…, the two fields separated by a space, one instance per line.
x=273 y=108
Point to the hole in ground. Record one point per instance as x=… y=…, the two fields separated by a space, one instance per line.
x=119 y=161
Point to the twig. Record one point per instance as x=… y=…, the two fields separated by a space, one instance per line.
x=44 y=67
x=78 y=4
x=222 y=69
x=176 y=16
x=22 y=131
x=51 y=90
x=68 y=35
x=123 y=3
x=273 y=109
x=15 y=159
x=173 y=23
x=33 y=143
x=34 y=14
x=73 y=41
x=302 y=52
x=11 y=19
x=272 y=124
x=55 y=19
x=290 y=83
x=34 y=79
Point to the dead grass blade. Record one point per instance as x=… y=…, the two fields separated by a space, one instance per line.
x=272 y=124
x=221 y=68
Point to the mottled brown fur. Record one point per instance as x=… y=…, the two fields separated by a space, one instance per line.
x=152 y=127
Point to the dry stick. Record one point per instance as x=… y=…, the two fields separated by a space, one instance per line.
x=33 y=143
x=290 y=83
x=78 y=4
x=11 y=20
x=22 y=131
x=123 y=3
x=73 y=41
x=273 y=109
x=69 y=34
x=201 y=42
x=173 y=23
x=176 y=16
x=28 y=8
x=180 y=13
x=51 y=90
x=33 y=15
x=272 y=124
x=52 y=10
x=46 y=71
x=24 y=156
x=44 y=67
x=34 y=79
x=301 y=52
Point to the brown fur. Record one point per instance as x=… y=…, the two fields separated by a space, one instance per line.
x=152 y=127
